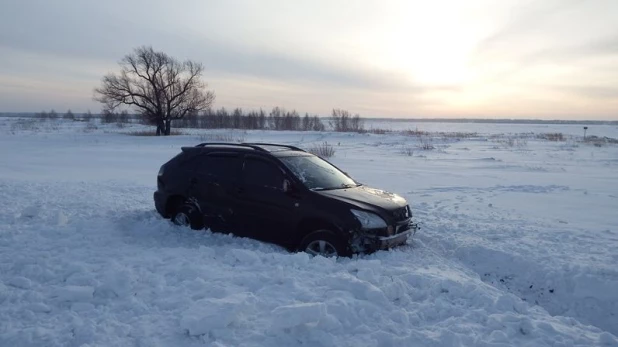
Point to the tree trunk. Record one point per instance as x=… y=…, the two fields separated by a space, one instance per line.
x=168 y=126
x=160 y=127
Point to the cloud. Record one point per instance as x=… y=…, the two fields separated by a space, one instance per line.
x=525 y=20
x=565 y=33
x=592 y=57
x=602 y=47
x=592 y=92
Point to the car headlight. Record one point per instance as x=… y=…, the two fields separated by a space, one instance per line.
x=369 y=220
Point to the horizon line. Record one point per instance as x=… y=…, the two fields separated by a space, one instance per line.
x=418 y=119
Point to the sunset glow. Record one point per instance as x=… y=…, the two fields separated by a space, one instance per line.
x=523 y=59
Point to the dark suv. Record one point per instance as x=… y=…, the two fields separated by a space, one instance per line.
x=280 y=194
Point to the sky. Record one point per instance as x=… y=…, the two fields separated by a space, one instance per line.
x=544 y=59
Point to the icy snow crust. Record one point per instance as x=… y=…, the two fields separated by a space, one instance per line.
x=518 y=247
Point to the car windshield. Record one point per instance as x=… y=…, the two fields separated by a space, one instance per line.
x=317 y=174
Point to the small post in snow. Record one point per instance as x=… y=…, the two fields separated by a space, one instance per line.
x=585 y=128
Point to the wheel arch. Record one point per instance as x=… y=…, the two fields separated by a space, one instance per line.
x=173 y=201
x=309 y=225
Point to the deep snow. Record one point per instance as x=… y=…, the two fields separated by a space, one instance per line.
x=518 y=247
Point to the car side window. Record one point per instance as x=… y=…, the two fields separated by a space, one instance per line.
x=262 y=173
x=222 y=167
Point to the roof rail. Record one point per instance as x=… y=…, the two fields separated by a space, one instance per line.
x=257 y=144
x=246 y=145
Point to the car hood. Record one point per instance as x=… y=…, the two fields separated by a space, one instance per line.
x=367 y=198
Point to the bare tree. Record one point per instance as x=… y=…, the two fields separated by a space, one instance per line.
x=87 y=117
x=317 y=124
x=262 y=119
x=237 y=118
x=109 y=116
x=69 y=115
x=306 y=122
x=157 y=86
x=357 y=123
x=342 y=120
x=43 y=115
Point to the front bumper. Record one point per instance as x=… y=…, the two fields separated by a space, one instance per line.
x=369 y=241
x=403 y=232
x=386 y=242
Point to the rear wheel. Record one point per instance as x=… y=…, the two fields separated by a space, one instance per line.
x=188 y=215
x=324 y=243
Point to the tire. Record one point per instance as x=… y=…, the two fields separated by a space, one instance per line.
x=324 y=243
x=189 y=215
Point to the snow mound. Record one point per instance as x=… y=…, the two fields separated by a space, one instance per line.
x=73 y=293
x=31 y=211
x=206 y=315
x=298 y=314
x=20 y=282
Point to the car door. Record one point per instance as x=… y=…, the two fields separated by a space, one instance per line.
x=216 y=184
x=269 y=213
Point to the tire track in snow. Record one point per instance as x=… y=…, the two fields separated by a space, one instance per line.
x=503 y=251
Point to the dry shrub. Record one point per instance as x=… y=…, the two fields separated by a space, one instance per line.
x=415 y=132
x=90 y=127
x=379 y=131
x=173 y=132
x=458 y=135
x=426 y=144
x=512 y=142
x=28 y=124
x=323 y=150
x=551 y=136
x=407 y=150
x=223 y=137
x=600 y=141
x=35 y=125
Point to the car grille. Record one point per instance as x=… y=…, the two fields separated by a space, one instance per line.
x=402 y=213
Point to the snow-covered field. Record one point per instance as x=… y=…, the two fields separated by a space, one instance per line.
x=518 y=246
x=495 y=128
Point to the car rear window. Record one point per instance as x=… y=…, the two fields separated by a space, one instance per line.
x=223 y=167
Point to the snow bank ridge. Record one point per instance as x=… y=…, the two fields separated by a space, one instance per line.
x=74 y=293
x=298 y=314
x=210 y=314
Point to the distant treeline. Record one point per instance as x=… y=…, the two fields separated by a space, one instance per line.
x=252 y=114
x=277 y=119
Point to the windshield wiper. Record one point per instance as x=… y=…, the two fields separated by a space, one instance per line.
x=342 y=186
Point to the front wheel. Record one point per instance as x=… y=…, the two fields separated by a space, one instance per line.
x=324 y=243
x=188 y=215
